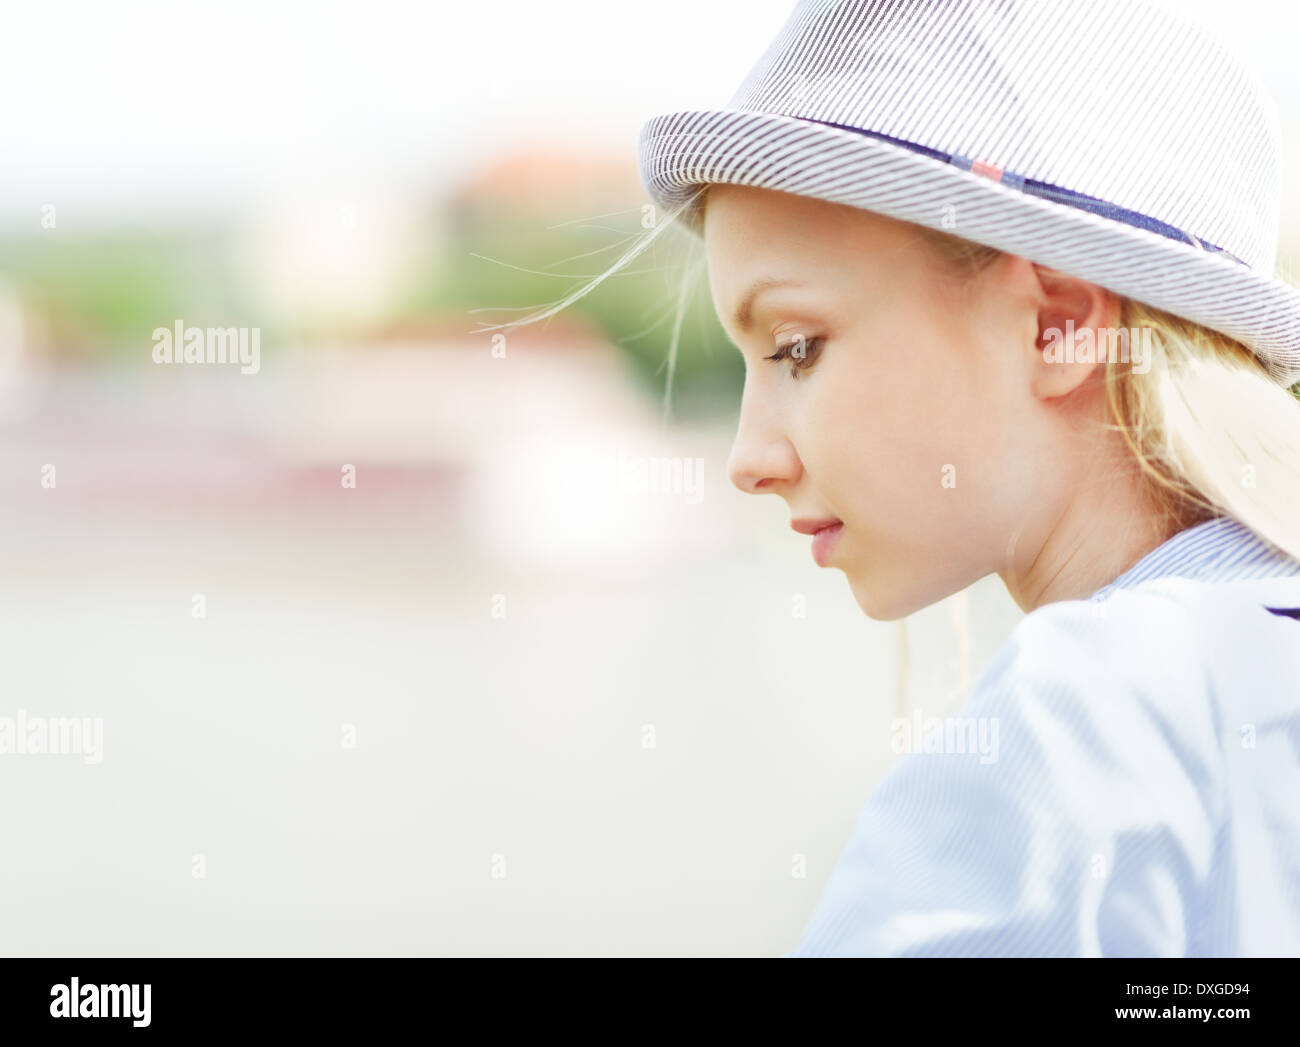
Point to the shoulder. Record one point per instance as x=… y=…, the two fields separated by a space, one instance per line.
x=1111 y=725
x=1135 y=669
x=1121 y=637
x=1180 y=655
x=1071 y=807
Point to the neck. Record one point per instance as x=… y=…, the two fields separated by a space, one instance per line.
x=1102 y=531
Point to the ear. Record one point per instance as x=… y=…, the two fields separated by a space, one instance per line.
x=1073 y=318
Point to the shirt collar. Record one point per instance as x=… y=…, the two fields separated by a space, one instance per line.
x=1218 y=550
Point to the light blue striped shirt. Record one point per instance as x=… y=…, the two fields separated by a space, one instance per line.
x=1141 y=797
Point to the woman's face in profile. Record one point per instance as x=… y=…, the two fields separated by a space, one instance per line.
x=908 y=417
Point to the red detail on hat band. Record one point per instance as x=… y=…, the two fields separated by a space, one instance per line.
x=987 y=170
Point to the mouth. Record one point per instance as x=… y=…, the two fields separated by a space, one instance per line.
x=825 y=536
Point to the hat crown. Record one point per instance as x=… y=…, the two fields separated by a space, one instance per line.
x=1122 y=100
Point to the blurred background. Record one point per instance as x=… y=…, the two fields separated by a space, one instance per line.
x=402 y=646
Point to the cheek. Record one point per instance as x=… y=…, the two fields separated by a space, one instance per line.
x=858 y=441
x=877 y=395
x=889 y=438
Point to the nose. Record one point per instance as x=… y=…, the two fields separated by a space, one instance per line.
x=762 y=458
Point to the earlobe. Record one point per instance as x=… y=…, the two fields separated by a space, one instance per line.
x=1064 y=360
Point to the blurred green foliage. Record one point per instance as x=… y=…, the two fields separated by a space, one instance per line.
x=506 y=265
x=103 y=295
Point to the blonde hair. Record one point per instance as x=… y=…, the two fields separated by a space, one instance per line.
x=1212 y=432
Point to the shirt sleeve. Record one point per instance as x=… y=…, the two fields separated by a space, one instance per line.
x=1070 y=808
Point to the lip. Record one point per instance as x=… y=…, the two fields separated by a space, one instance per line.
x=826 y=535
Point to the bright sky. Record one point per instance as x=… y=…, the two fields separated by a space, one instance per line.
x=147 y=108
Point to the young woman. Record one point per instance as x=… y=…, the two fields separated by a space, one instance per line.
x=1009 y=308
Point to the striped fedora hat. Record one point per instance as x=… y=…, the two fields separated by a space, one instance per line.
x=1111 y=139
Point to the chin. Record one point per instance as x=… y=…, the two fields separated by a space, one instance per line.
x=883 y=602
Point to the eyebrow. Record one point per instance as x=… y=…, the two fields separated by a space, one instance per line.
x=744 y=315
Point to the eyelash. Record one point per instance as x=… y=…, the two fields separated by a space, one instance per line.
x=812 y=346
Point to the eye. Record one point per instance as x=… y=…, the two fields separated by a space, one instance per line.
x=802 y=361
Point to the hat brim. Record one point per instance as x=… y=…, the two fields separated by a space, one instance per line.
x=680 y=152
